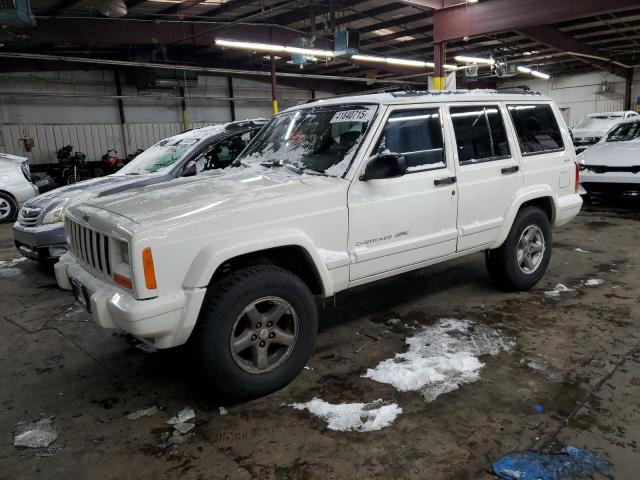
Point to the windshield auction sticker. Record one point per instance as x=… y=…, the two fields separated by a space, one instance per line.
x=351 y=116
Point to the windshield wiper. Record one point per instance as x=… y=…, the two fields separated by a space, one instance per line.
x=132 y=173
x=272 y=163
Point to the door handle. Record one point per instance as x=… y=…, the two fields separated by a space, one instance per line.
x=444 y=181
x=508 y=170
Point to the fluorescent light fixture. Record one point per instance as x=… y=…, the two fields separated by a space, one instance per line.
x=405 y=38
x=383 y=31
x=463 y=58
x=541 y=75
x=393 y=61
x=472 y=1
x=535 y=73
x=268 y=47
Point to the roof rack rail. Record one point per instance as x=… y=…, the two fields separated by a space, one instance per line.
x=389 y=89
x=518 y=89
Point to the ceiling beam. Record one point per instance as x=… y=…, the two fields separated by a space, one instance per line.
x=60 y=7
x=563 y=42
x=228 y=7
x=499 y=15
x=435 y=4
x=185 y=5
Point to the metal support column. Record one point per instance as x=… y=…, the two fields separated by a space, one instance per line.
x=185 y=114
x=627 y=89
x=123 y=126
x=439 y=56
x=274 y=99
x=232 y=103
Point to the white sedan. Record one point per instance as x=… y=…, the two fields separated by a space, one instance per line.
x=15 y=185
x=612 y=166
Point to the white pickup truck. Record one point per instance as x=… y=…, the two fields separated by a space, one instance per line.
x=329 y=195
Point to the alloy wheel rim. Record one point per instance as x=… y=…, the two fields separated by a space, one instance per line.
x=531 y=248
x=264 y=335
x=5 y=208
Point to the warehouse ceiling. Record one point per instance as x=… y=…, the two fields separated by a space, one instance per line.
x=184 y=32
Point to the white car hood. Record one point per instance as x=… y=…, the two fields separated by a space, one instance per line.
x=185 y=199
x=612 y=154
x=588 y=132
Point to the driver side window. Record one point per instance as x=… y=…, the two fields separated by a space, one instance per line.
x=221 y=154
x=417 y=135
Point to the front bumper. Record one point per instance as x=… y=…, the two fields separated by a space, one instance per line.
x=164 y=322
x=44 y=242
x=622 y=184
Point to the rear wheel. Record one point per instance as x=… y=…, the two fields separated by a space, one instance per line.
x=523 y=258
x=255 y=332
x=8 y=208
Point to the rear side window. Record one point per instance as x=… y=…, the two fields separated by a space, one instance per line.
x=537 y=128
x=417 y=135
x=480 y=134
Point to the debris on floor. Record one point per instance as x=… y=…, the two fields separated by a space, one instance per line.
x=184 y=415
x=581 y=250
x=558 y=289
x=36 y=435
x=440 y=358
x=593 y=282
x=146 y=348
x=222 y=411
x=181 y=423
x=346 y=417
x=145 y=412
x=570 y=462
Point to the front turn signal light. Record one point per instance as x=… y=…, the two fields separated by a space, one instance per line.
x=577 y=177
x=149 y=269
x=123 y=281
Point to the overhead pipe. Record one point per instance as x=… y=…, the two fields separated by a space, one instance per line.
x=191 y=68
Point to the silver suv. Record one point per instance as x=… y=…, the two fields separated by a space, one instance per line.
x=15 y=185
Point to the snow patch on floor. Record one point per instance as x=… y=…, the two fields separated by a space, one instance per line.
x=581 y=250
x=346 y=417
x=559 y=288
x=593 y=282
x=441 y=358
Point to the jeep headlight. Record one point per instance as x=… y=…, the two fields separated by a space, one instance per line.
x=122 y=265
x=54 y=216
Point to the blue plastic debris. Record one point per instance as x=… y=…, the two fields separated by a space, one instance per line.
x=538 y=408
x=568 y=462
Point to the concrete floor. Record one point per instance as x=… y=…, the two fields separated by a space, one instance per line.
x=586 y=346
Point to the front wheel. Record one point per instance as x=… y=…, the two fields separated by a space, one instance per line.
x=8 y=208
x=255 y=332
x=523 y=258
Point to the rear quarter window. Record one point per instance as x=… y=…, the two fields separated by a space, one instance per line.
x=537 y=128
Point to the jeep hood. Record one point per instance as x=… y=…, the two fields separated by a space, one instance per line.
x=612 y=154
x=82 y=191
x=186 y=199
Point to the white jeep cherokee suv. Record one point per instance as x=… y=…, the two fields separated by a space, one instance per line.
x=329 y=195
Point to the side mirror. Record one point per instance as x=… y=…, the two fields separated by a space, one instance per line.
x=190 y=169
x=385 y=165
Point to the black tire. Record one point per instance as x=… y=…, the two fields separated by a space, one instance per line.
x=8 y=208
x=224 y=370
x=502 y=263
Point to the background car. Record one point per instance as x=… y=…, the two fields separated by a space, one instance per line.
x=39 y=232
x=612 y=166
x=593 y=127
x=15 y=185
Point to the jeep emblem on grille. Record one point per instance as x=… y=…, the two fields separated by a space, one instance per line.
x=85 y=218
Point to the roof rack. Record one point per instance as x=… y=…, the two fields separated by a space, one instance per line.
x=518 y=89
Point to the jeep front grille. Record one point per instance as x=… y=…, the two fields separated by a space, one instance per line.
x=28 y=217
x=89 y=246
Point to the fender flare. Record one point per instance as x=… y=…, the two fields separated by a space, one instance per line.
x=212 y=256
x=521 y=196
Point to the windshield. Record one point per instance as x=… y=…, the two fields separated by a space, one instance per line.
x=321 y=139
x=600 y=123
x=624 y=132
x=159 y=158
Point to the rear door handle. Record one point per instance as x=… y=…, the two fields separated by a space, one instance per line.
x=444 y=181
x=508 y=170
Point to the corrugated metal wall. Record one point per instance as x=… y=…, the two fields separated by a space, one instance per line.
x=92 y=139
